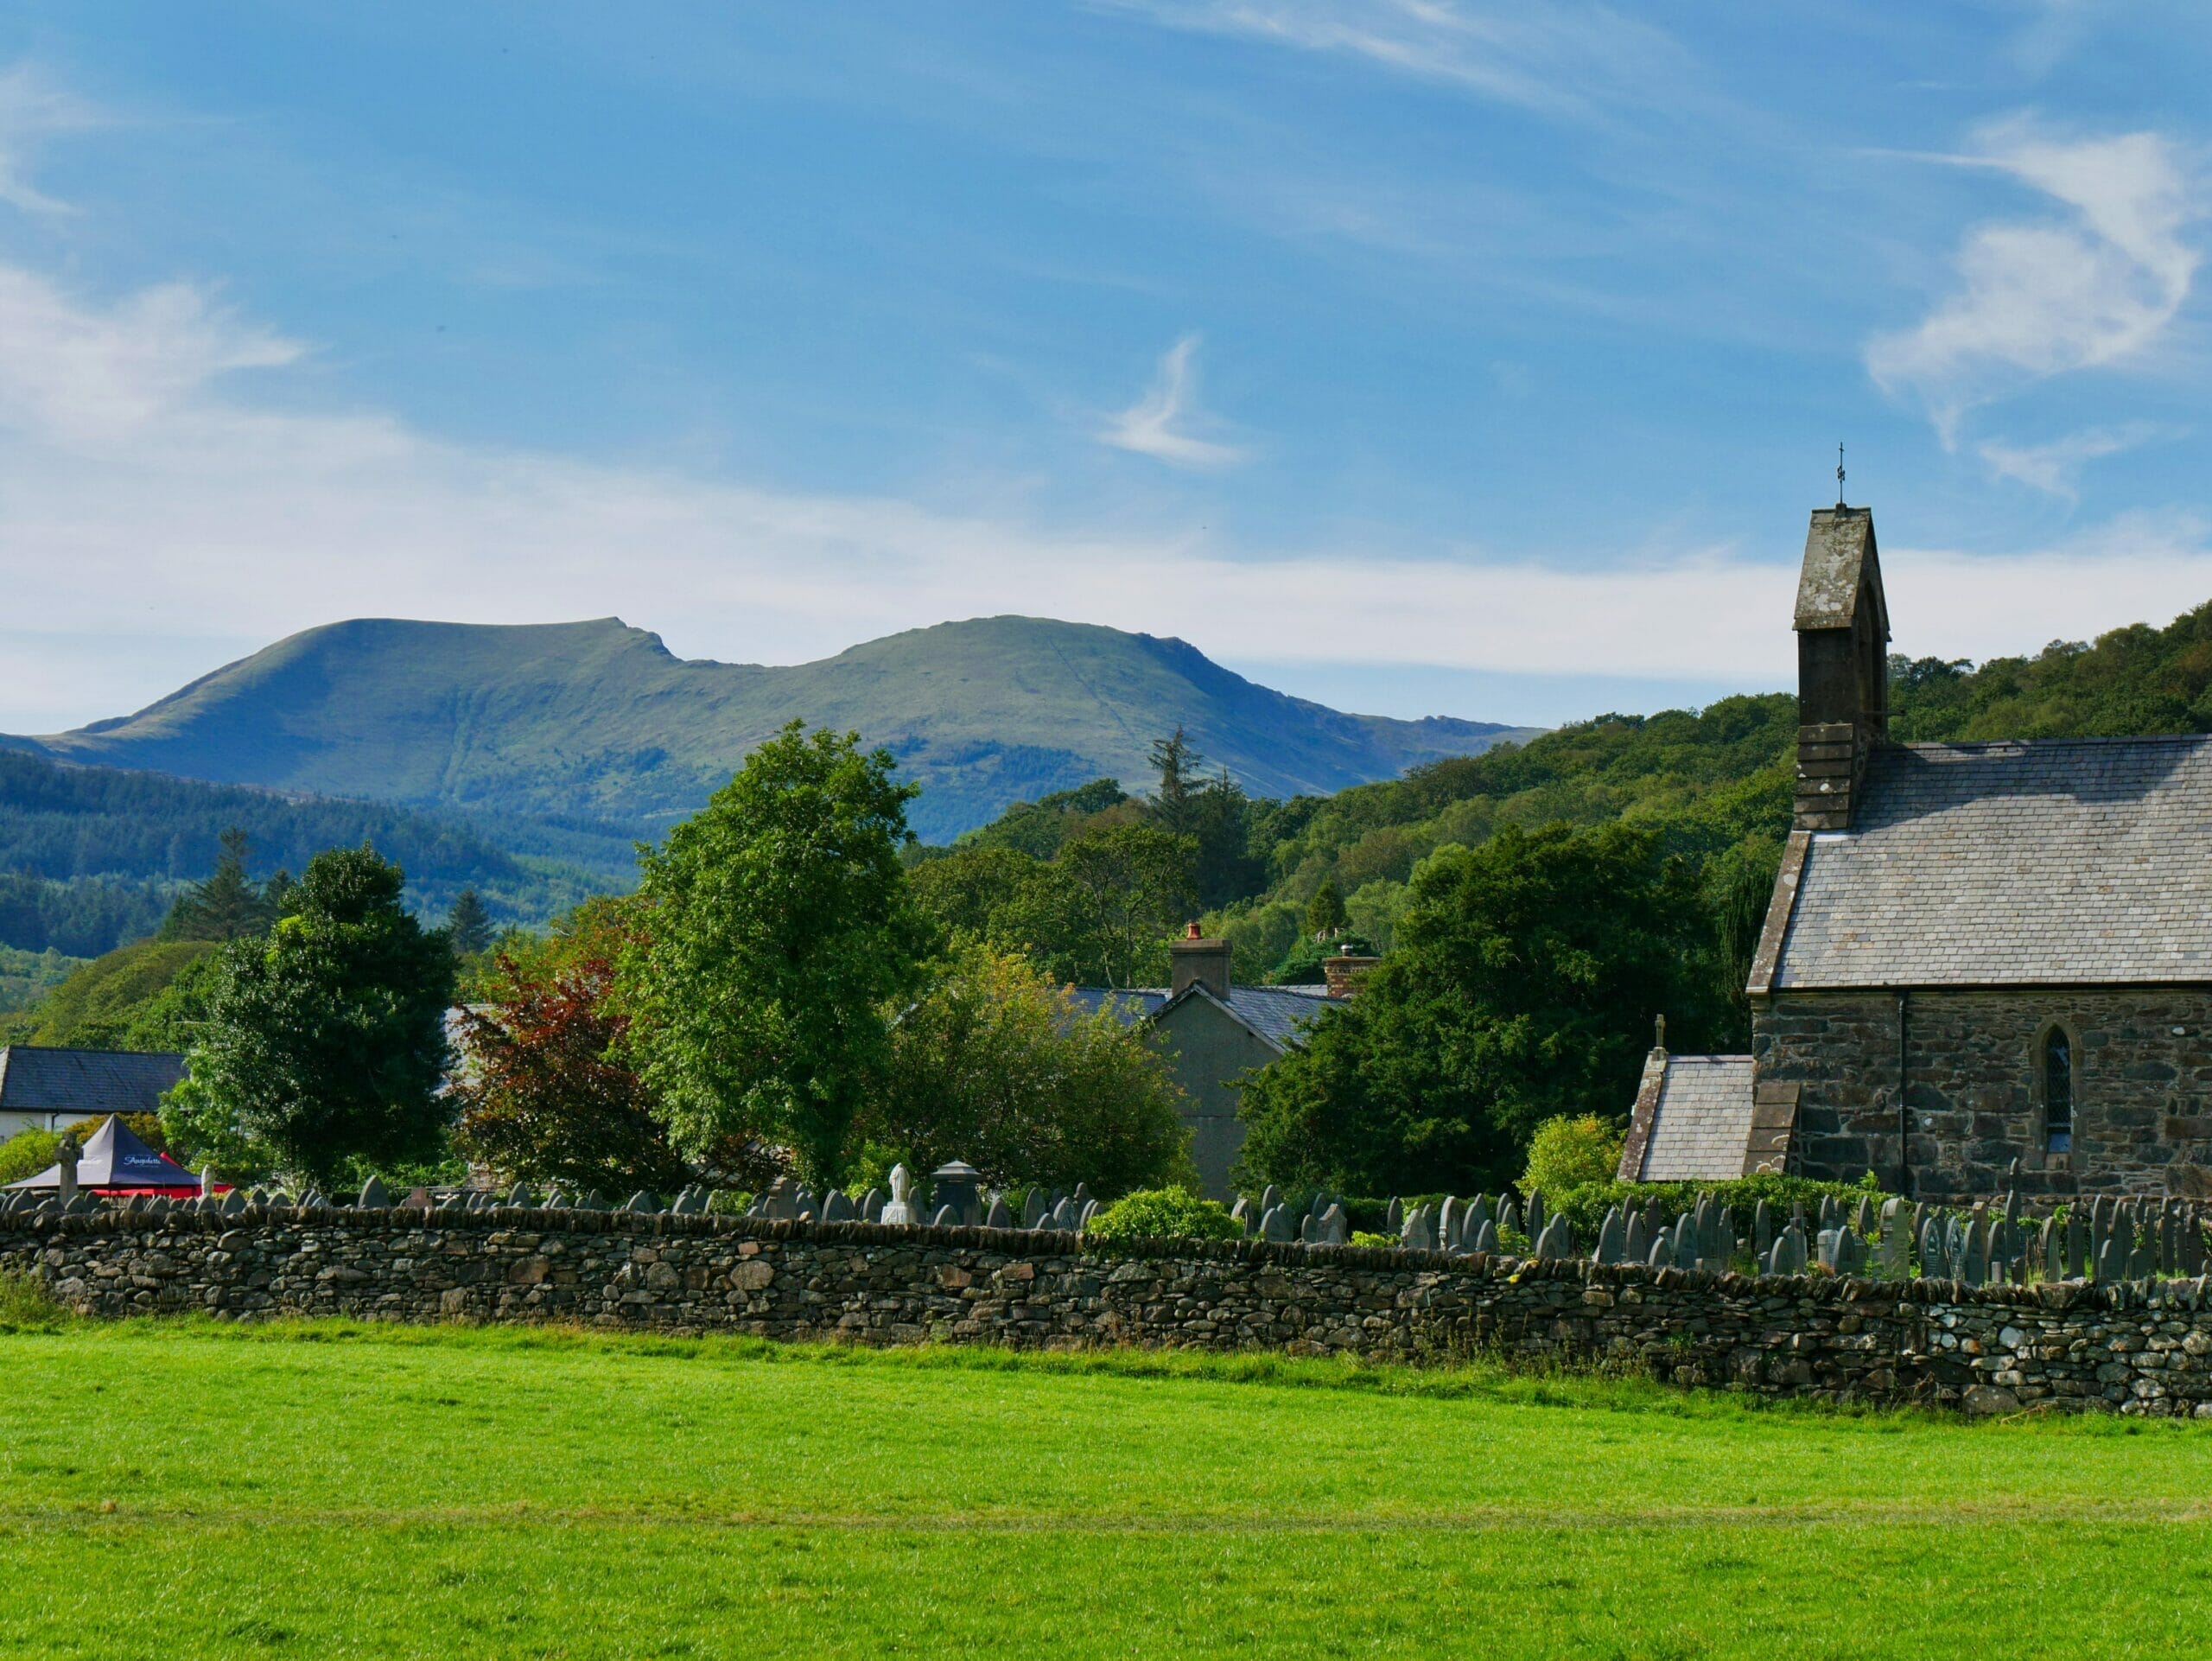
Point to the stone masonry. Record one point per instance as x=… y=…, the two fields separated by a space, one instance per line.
x=2136 y=1347
x=1965 y=1059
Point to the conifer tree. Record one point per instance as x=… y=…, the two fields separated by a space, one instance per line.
x=468 y=925
x=226 y=905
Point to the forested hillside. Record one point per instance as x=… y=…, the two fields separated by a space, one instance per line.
x=1713 y=785
x=91 y=857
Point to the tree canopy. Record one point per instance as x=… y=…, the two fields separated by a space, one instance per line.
x=325 y=1040
x=778 y=923
x=1523 y=985
x=994 y=1064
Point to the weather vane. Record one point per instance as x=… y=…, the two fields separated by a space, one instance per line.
x=1838 y=475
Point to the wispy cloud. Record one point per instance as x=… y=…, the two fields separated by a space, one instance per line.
x=2053 y=468
x=2042 y=298
x=1566 y=59
x=1149 y=426
x=184 y=499
x=31 y=108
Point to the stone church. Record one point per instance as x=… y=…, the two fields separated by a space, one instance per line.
x=1985 y=966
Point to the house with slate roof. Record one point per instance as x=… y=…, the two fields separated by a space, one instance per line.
x=1985 y=966
x=1213 y=1031
x=46 y=1089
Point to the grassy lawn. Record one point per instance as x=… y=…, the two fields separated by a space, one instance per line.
x=171 y=1490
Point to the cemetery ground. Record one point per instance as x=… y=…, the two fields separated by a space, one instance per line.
x=181 y=1488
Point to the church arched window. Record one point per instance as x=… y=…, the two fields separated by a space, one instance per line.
x=2057 y=1091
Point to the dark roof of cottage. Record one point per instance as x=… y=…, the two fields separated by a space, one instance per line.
x=1839 y=552
x=1272 y=1012
x=2060 y=862
x=1702 y=1123
x=35 y=1079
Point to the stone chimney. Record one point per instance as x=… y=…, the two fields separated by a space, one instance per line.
x=1196 y=961
x=1344 y=970
x=1843 y=665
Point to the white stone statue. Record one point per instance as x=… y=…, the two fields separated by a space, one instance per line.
x=901 y=1208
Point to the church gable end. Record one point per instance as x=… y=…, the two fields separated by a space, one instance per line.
x=1984 y=966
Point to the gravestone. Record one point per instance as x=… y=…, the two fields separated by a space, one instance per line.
x=1897 y=1244
x=1394 y=1217
x=1274 y=1224
x=836 y=1208
x=2077 y=1237
x=1635 y=1241
x=518 y=1195
x=374 y=1197
x=1761 y=1229
x=998 y=1215
x=1534 y=1226
x=2053 y=1249
x=1613 y=1237
x=1065 y=1217
x=1417 y=1232
x=1240 y=1214
x=1790 y=1249
x=946 y=1217
x=898 y=1211
x=958 y=1185
x=1486 y=1240
x=1557 y=1240
x=1448 y=1221
x=1334 y=1227
x=1034 y=1208
x=1508 y=1217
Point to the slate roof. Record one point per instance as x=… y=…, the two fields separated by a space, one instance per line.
x=1273 y=1012
x=35 y=1079
x=1130 y=1004
x=2059 y=861
x=1703 y=1120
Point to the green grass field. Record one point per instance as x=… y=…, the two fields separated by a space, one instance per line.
x=173 y=1489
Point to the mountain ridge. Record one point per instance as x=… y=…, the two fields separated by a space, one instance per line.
x=597 y=722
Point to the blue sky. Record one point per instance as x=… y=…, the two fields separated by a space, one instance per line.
x=1422 y=356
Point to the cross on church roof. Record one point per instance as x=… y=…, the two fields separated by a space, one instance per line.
x=1838 y=475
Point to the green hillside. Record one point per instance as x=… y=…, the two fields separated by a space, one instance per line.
x=595 y=734
x=92 y=856
x=1714 y=783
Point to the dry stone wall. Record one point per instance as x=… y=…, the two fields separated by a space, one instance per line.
x=2137 y=1347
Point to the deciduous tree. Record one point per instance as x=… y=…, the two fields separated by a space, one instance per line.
x=996 y=1064
x=325 y=1040
x=1523 y=985
x=778 y=925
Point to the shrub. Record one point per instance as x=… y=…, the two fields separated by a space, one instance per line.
x=1174 y=1214
x=26 y=1153
x=1567 y=1151
x=1362 y=1237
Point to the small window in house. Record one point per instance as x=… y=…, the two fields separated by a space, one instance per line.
x=2057 y=1092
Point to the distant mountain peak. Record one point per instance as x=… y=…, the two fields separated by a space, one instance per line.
x=599 y=720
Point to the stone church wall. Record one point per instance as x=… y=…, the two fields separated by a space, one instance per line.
x=2140 y=1347
x=1972 y=1066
